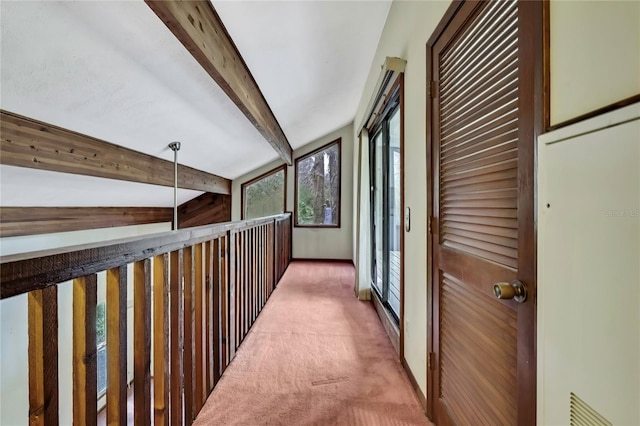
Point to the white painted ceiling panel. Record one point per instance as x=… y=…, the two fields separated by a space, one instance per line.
x=22 y=187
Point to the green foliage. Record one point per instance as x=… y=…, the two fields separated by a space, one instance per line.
x=265 y=197
x=318 y=186
x=101 y=323
x=305 y=206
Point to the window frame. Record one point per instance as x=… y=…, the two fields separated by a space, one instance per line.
x=296 y=224
x=380 y=126
x=243 y=188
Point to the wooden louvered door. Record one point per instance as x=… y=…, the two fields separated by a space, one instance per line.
x=482 y=133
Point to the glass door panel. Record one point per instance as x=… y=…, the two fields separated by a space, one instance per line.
x=378 y=214
x=394 y=227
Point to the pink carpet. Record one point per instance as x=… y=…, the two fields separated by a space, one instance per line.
x=315 y=356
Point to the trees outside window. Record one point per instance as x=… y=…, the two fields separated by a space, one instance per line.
x=101 y=343
x=265 y=195
x=317 y=195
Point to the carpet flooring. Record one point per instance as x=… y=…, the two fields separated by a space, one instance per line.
x=315 y=356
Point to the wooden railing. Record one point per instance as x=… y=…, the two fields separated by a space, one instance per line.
x=197 y=290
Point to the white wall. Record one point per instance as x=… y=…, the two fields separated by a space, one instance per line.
x=409 y=26
x=595 y=55
x=315 y=243
x=14 y=374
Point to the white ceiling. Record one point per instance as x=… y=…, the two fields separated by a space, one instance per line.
x=112 y=70
x=310 y=58
x=32 y=188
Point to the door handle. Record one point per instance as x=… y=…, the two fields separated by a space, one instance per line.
x=516 y=291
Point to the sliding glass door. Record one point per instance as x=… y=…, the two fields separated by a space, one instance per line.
x=386 y=214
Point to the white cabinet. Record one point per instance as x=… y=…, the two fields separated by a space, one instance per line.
x=589 y=269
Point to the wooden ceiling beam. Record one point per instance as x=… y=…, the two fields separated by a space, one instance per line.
x=18 y=221
x=26 y=142
x=198 y=27
x=205 y=209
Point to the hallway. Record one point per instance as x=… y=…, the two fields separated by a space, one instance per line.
x=315 y=356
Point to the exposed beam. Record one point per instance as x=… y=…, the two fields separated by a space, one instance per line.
x=205 y=209
x=15 y=221
x=30 y=143
x=198 y=27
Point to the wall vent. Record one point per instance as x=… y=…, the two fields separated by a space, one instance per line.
x=583 y=415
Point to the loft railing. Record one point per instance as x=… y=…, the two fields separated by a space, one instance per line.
x=207 y=288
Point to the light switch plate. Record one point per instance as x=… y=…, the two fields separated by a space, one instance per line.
x=407 y=219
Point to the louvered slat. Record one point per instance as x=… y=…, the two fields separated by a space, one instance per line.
x=489 y=100
x=496 y=155
x=479 y=333
x=478 y=94
x=465 y=149
x=466 y=88
x=501 y=241
x=459 y=50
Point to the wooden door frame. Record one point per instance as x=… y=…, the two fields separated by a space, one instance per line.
x=539 y=47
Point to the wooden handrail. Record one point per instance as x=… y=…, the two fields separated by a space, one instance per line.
x=198 y=290
x=25 y=272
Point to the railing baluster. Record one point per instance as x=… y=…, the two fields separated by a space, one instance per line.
x=259 y=269
x=265 y=253
x=274 y=245
x=226 y=277
x=85 y=395
x=198 y=398
x=231 y=332
x=209 y=306
x=216 y=265
x=263 y=290
x=142 y=342
x=187 y=356
x=240 y=295
x=43 y=356
x=161 y=340
x=177 y=336
x=247 y=281
x=245 y=284
x=117 y=346
x=254 y=276
x=238 y=287
x=199 y=349
x=241 y=261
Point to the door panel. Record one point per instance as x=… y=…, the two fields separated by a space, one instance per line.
x=482 y=139
x=378 y=214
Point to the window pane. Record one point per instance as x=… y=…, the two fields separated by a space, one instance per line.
x=318 y=188
x=378 y=213
x=101 y=339
x=102 y=370
x=101 y=323
x=265 y=197
x=395 y=219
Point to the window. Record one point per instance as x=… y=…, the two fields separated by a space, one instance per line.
x=317 y=195
x=265 y=195
x=386 y=213
x=101 y=343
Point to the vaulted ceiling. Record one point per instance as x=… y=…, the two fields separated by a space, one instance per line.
x=112 y=70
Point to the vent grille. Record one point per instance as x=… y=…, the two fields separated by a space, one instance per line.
x=583 y=415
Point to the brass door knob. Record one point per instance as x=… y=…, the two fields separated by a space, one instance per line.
x=516 y=291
